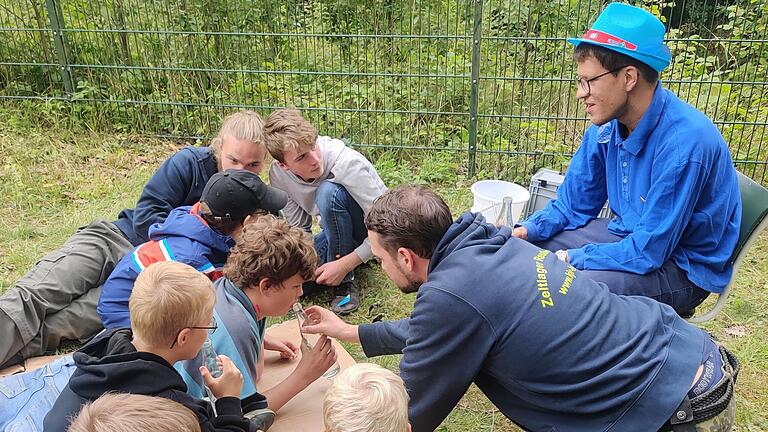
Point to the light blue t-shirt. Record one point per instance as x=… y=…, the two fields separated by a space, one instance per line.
x=239 y=336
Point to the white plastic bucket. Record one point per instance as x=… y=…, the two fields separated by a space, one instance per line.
x=489 y=194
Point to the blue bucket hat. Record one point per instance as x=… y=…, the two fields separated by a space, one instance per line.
x=631 y=31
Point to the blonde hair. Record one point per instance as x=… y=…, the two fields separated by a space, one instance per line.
x=286 y=129
x=121 y=412
x=241 y=125
x=167 y=297
x=270 y=248
x=366 y=398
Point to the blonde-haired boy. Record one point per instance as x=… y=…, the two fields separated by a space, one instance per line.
x=263 y=277
x=167 y=298
x=366 y=398
x=172 y=313
x=124 y=412
x=323 y=177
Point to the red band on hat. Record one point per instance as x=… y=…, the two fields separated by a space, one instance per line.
x=604 y=38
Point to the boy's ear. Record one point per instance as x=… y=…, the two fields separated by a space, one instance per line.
x=281 y=165
x=264 y=285
x=183 y=337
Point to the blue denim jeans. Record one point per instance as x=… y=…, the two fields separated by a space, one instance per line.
x=668 y=284
x=341 y=220
x=26 y=398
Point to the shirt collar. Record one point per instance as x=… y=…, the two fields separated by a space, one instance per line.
x=647 y=124
x=237 y=293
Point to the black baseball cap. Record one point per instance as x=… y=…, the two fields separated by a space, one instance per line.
x=234 y=194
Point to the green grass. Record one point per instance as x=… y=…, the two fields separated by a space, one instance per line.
x=53 y=180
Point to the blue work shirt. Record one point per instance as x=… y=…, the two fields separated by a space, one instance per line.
x=672 y=186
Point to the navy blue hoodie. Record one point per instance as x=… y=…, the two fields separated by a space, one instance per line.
x=178 y=182
x=110 y=363
x=552 y=349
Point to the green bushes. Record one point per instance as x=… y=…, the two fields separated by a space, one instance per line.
x=393 y=73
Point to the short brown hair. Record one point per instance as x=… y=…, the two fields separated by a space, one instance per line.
x=413 y=217
x=167 y=297
x=242 y=125
x=122 y=412
x=286 y=129
x=270 y=248
x=612 y=60
x=366 y=398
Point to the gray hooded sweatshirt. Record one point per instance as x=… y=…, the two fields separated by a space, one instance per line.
x=341 y=165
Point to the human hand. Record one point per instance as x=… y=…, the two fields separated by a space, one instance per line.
x=287 y=349
x=323 y=321
x=520 y=232
x=562 y=255
x=315 y=362
x=331 y=273
x=230 y=383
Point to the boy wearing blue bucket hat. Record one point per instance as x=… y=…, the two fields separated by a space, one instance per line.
x=662 y=165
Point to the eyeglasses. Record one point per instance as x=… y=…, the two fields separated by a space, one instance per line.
x=584 y=83
x=211 y=328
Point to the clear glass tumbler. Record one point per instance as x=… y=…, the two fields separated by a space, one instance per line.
x=310 y=340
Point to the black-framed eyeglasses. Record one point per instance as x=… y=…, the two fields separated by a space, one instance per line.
x=584 y=84
x=211 y=328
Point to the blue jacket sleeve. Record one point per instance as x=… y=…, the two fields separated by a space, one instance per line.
x=384 y=337
x=666 y=212
x=443 y=355
x=579 y=198
x=167 y=189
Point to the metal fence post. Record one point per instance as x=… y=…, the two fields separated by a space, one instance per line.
x=474 y=87
x=60 y=43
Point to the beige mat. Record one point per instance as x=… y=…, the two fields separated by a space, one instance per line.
x=304 y=413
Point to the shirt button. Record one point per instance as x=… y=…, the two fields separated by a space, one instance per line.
x=625 y=179
x=624 y=163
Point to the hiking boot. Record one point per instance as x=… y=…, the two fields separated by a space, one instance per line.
x=261 y=419
x=347 y=298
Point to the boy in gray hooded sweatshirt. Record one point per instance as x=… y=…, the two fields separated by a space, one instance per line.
x=323 y=177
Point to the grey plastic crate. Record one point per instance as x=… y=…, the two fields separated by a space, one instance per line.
x=543 y=189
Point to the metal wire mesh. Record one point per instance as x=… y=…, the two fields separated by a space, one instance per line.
x=487 y=80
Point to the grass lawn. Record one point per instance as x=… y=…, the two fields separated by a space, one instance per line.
x=52 y=181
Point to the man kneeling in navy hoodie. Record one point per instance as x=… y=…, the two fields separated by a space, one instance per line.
x=551 y=348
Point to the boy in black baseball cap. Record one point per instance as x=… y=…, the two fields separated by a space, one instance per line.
x=199 y=236
x=236 y=194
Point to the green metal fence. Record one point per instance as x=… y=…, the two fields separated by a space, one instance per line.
x=488 y=81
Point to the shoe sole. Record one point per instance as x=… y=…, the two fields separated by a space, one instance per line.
x=266 y=422
x=345 y=312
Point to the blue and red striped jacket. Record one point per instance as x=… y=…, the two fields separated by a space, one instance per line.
x=184 y=237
